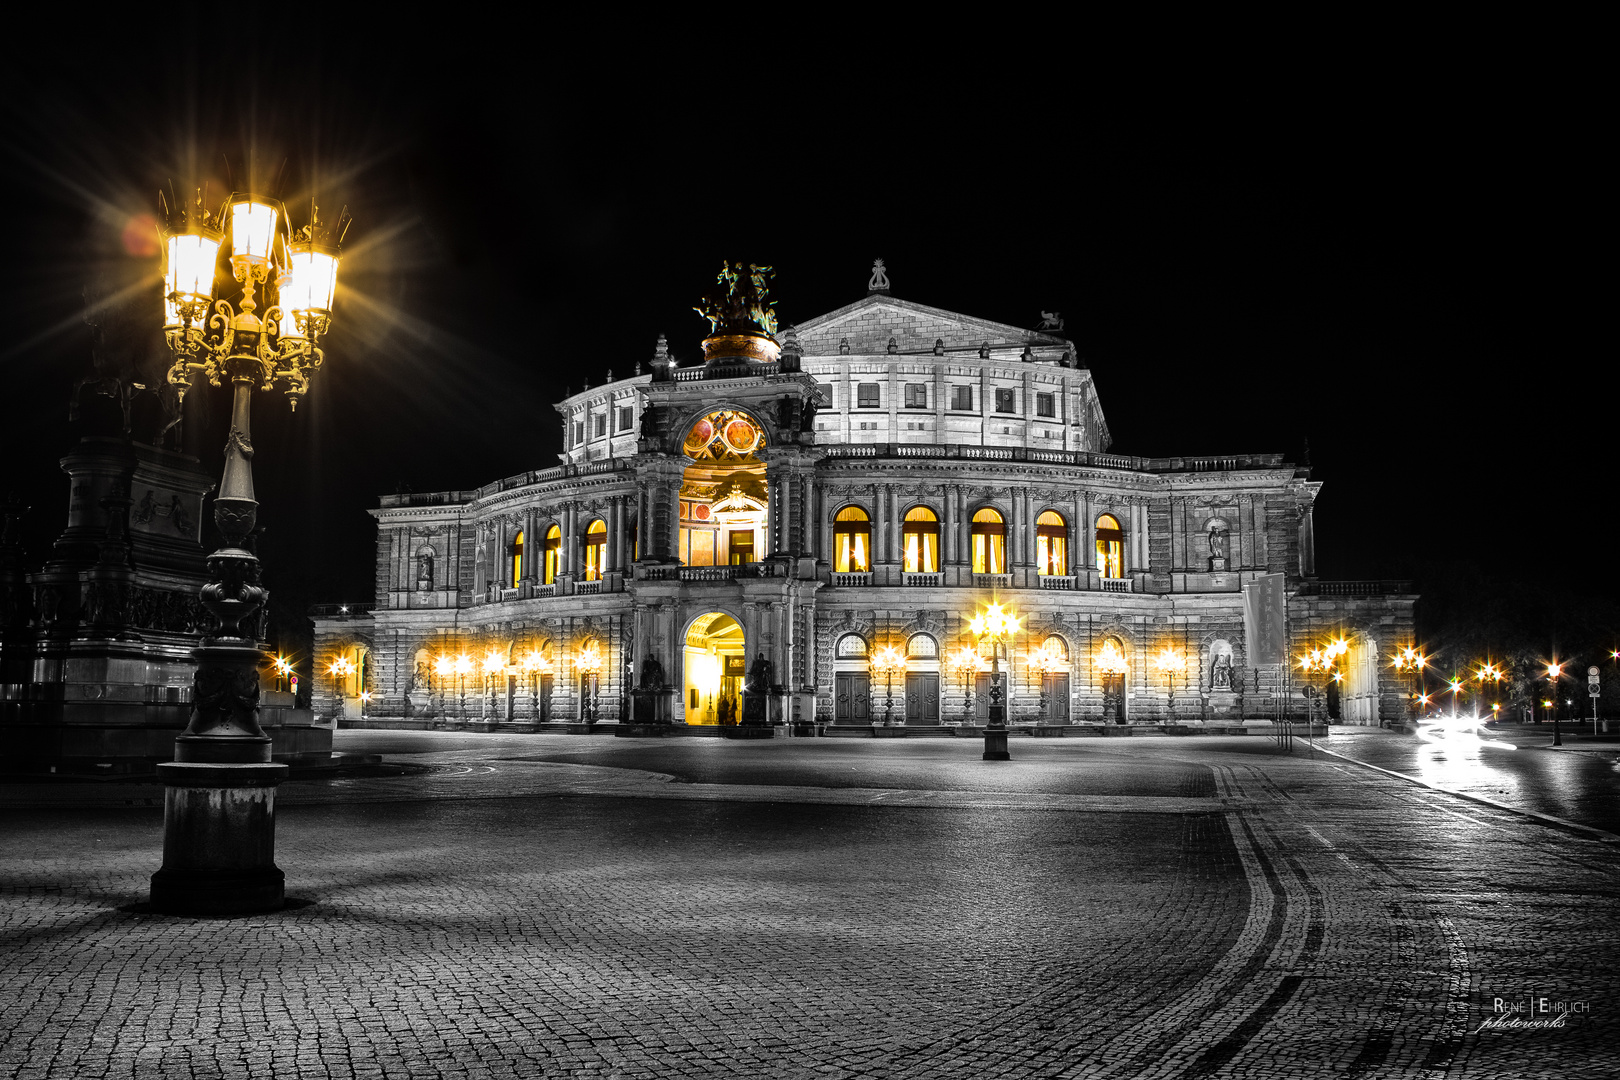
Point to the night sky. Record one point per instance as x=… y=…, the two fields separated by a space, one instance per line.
x=1382 y=260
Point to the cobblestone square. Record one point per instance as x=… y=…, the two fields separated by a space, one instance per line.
x=559 y=906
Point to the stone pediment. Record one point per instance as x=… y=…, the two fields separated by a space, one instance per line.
x=869 y=323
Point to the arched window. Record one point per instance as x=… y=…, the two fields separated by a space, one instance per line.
x=1110 y=547
x=852 y=541
x=852 y=645
x=922 y=646
x=517 y=559
x=920 y=534
x=1051 y=545
x=1054 y=651
x=595 y=550
x=989 y=543
x=553 y=553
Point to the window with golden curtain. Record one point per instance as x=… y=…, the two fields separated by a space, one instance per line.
x=1110 y=547
x=1051 y=545
x=920 y=535
x=852 y=541
x=595 y=550
x=553 y=553
x=517 y=560
x=989 y=543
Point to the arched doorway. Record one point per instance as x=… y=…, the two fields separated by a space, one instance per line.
x=713 y=665
x=723 y=492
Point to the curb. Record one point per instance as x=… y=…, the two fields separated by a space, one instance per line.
x=1546 y=819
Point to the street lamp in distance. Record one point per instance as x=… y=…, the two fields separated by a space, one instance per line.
x=1554 y=671
x=998 y=626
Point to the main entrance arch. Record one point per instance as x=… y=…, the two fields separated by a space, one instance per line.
x=713 y=665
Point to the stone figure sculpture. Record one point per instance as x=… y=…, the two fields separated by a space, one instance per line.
x=1217 y=542
x=740 y=302
x=652 y=673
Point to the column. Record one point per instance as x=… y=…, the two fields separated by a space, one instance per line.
x=947 y=525
x=615 y=553
x=571 y=539
x=478 y=558
x=807 y=515
x=1307 y=540
x=1080 y=536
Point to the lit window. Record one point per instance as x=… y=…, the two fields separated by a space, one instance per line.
x=1004 y=401
x=553 y=553
x=740 y=547
x=517 y=560
x=1045 y=405
x=916 y=396
x=852 y=541
x=1110 y=547
x=595 y=550
x=989 y=543
x=1051 y=545
x=920 y=534
x=962 y=398
x=866 y=396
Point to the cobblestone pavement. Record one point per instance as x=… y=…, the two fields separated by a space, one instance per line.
x=559 y=907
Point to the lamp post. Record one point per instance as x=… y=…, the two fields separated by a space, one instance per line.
x=340 y=669
x=1411 y=662
x=283 y=670
x=589 y=665
x=995 y=625
x=1322 y=660
x=1171 y=661
x=444 y=668
x=463 y=668
x=532 y=663
x=1554 y=671
x=219 y=803
x=1486 y=671
x=493 y=665
x=885 y=662
x=1109 y=663
x=966 y=661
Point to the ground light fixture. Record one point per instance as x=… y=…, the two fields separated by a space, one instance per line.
x=996 y=626
x=219 y=805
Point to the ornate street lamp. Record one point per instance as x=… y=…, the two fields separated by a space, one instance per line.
x=340 y=669
x=531 y=666
x=1411 y=662
x=590 y=664
x=1111 y=662
x=463 y=668
x=219 y=809
x=1322 y=660
x=1171 y=662
x=444 y=669
x=493 y=665
x=283 y=670
x=996 y=626
x=886 y=661
x=1554 y=672
x=966 y=661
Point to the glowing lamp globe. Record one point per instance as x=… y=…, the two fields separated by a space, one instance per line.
x=189 y=276
x=253 y=231
x=307 y=287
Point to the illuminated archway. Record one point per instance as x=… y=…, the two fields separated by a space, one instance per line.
x=713 y=664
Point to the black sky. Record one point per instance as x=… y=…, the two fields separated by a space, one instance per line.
x=1379 y=255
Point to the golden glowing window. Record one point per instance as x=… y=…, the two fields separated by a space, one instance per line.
x=595 y=550
x=919 y=534
x=1051 y=545
x=553 y=553
x=989 y=543
x=852 y=541
x=517 y=560
x=1110 y=547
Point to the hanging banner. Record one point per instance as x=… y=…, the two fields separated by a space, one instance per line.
x=1265 y=619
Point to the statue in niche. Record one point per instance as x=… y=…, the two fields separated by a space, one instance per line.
x=1217 y=544
x=419 y=678
x=652 y=673
x=1221 y=674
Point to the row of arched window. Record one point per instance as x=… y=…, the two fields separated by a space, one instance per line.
x=595 y=551
x=919 y=543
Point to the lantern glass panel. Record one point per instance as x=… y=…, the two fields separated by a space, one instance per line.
x=191 y=266
x=253 y=230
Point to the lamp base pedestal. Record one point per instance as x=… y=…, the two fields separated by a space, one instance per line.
x=995 y=734
x=219 y=839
